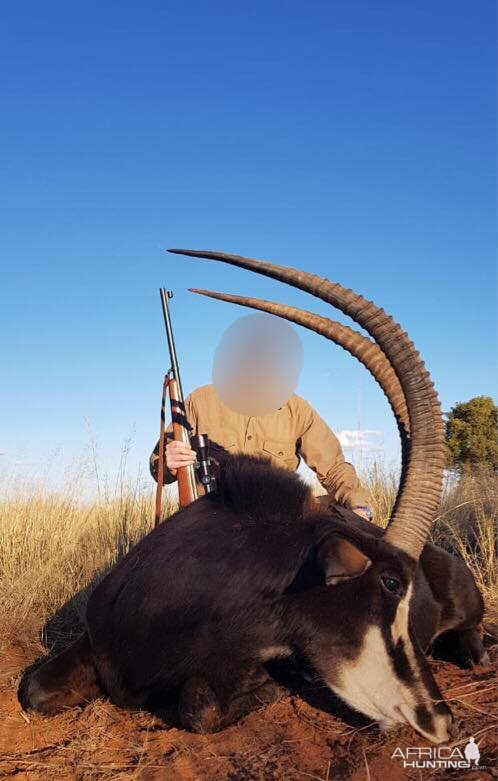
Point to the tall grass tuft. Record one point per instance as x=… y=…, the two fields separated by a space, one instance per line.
x=54 y=547
x=466 y=525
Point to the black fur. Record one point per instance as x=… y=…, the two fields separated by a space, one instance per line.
x=196 y=604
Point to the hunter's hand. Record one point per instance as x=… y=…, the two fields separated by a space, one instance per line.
x=179 y=454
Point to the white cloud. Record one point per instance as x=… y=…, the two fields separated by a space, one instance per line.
x=24 y=462
x=366 y=439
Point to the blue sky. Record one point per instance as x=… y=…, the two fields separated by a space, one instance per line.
x=349 y=138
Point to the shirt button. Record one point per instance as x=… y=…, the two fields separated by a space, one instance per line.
x=249 y=436
x=280 y=452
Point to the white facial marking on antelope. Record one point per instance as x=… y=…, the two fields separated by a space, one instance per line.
x=399 y=627
x=371 y=684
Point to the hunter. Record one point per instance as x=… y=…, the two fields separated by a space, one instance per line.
x=292 y=432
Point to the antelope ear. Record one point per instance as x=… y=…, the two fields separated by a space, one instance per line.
x=341 y=560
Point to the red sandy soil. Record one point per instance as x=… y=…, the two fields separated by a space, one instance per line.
x=289 y=740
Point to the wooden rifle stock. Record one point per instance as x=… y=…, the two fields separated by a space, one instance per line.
x=187 y=489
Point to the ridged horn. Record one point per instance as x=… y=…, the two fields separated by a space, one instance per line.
x=421 y=482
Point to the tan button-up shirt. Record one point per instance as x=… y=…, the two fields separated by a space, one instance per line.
x=285 y=436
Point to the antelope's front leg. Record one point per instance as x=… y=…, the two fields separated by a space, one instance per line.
x=212 y=705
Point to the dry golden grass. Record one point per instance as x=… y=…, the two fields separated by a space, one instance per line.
x=54 y=546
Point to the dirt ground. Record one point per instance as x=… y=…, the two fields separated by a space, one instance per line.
x=300 y=737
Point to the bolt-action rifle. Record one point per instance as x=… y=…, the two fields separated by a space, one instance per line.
x=172 y=386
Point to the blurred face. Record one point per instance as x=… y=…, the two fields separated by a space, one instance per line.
x=257 y=364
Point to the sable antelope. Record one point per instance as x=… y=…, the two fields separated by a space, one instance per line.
x=256 y=571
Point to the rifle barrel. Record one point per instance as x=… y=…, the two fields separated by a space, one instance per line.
x=165 y=296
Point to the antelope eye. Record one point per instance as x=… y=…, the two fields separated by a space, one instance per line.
x=392 y=585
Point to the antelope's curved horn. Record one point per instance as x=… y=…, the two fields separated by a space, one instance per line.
x=421 y=479
x=357 y=345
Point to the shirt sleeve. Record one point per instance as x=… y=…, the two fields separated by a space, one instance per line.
x=322 y=451
x=191 y=411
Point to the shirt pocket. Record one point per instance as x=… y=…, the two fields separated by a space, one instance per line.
x=284 y=452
